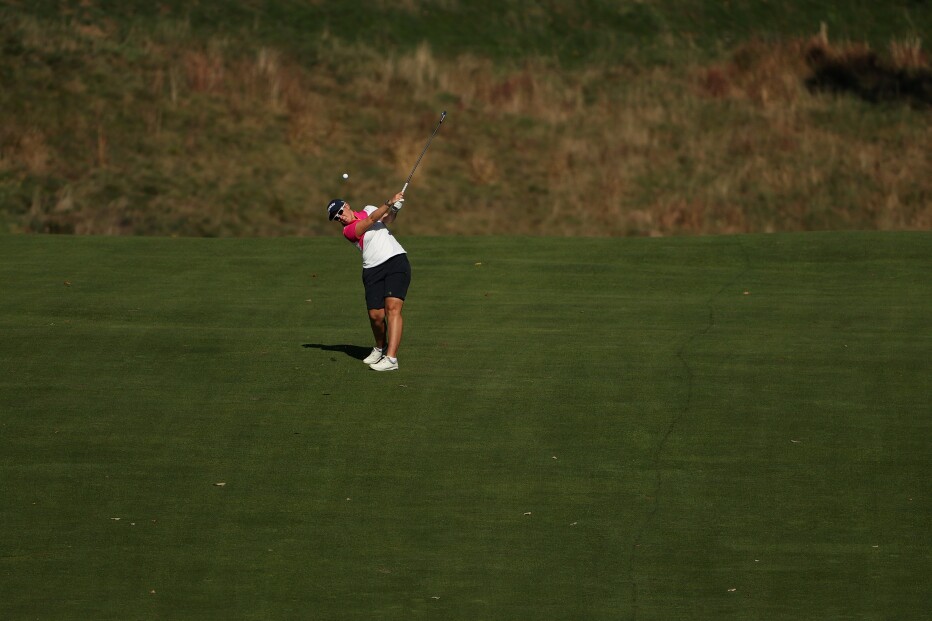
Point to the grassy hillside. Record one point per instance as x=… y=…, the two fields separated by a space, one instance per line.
x=238 y=118
x=501 y=29
x=705 y=428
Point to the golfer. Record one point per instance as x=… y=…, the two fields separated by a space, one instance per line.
x=386 y=273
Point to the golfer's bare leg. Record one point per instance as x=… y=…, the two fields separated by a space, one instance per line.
x=395 y=324
x=377 y=321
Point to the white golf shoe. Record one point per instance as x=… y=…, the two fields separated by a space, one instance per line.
x=385 y=364
x=375 y=356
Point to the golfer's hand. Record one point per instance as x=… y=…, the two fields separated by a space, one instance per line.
x=397 y=202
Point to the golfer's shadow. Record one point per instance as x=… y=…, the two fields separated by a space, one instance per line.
x=353 y=351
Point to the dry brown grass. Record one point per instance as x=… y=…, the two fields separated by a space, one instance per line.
x=31 y=150
x=909 y=54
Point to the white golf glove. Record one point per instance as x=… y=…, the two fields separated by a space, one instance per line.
x=397 y=206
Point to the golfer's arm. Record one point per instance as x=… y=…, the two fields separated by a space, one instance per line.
x=363 y=225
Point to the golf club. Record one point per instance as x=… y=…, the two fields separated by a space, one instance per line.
x=443 y=115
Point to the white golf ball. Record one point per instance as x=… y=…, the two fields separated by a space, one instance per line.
x=346 y=175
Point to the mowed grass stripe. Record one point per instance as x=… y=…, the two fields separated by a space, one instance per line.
x=722 y=427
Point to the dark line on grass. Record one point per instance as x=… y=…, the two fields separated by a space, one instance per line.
x=687 y=405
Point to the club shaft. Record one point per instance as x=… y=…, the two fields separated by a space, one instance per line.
x=443 y=115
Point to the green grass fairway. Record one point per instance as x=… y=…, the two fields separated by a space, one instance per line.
x=693 y=428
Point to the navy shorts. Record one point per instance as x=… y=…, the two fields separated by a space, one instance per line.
x=388 y=280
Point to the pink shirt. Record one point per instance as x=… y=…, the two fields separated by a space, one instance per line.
x=377 y=244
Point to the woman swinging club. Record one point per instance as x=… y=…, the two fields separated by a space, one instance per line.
x=386 y=273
